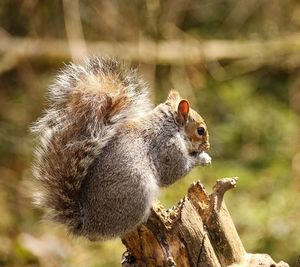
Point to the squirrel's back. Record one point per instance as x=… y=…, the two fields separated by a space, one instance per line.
x=87 y=105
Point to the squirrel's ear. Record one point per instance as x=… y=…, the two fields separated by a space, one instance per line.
x=183 y=111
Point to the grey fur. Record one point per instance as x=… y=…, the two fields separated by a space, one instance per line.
x=103 y=153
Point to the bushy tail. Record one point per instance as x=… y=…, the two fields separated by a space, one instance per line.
x=87 y=105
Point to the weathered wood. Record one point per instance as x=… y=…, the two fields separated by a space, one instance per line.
x=220 y=226
x=197 y=232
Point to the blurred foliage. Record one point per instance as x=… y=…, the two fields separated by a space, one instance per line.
x=253 y=120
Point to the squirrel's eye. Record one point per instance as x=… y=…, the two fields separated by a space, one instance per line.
x=201 y=130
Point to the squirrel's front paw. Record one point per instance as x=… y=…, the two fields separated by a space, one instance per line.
x=204 y=158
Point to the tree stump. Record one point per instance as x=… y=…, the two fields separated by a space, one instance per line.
x=197 y=232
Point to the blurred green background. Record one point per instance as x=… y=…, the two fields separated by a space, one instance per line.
x=238 y=62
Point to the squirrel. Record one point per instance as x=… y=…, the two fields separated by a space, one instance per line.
x=103 y=151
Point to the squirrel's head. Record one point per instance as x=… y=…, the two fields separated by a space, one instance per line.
x=192 y=123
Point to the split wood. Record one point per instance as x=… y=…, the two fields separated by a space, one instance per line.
x=199 y=231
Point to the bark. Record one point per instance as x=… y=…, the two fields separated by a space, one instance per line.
x=197 y=232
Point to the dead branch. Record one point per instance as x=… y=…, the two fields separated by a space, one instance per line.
x=236 y=56
x=197 y=232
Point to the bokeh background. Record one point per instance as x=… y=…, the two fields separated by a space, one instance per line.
x=237 y=62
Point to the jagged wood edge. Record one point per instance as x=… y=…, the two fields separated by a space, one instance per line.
x=165 y=228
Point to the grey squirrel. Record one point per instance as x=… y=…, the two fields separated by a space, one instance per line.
x=104 y=150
